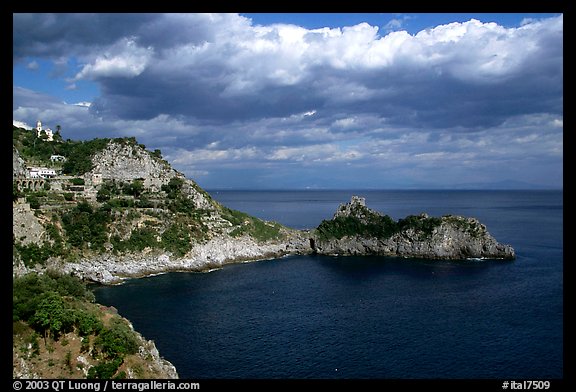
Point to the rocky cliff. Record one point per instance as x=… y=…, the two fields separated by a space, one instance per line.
x=131 y=215
x=134 y=215
x=126 y=162
x=358 y=230
x=108 y=268
x=18 y=165
x=154 y=220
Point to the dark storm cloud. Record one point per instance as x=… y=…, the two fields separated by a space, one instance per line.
x=57 y=35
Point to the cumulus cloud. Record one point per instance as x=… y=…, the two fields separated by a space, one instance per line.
x=123 y=59
x=216 y=88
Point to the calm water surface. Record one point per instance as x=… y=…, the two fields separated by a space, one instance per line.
x=318 y=317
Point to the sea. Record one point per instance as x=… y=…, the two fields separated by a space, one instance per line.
x=378 y=318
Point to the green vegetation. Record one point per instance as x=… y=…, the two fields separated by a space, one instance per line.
x=33 y=296
x=32 y=254
x=105 y=370
x=33 y=201
x=86 y=226
x=376 y=226
x=472 y=227
x=16 y=193
x=117 y=340
x=176 y=239
x=254 y=227
x=177 y=201
x=77 y=181
x=342 y=226
x=79 y=155
x=126 y=216
x=140 y=239
x=32 y=148
x=54 y=304
x=68 y=196
x=52 y=315
x=37 y=150
x=419 y=223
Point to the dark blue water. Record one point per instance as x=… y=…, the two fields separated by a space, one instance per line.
x=312 y=317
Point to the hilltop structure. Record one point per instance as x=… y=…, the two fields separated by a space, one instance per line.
x=47 y=131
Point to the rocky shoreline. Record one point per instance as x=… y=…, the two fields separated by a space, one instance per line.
x=216 y=235
x=357 y=230
x=113 y=269
x=452 y=238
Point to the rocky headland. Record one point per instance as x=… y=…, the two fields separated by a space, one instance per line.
x=357 y=230
x=114 y=210
x=151 y=219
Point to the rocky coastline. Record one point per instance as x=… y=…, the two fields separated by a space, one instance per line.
x=216 y=234
x=448 y=238
x=452 y=238
x=114 y=269
x=153 y=220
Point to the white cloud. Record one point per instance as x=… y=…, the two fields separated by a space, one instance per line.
x=83 y=104
x=21 y=124
x=317 y=153
x=33 y=65
x=124 y=59
x=345 y=123
x=187 y=157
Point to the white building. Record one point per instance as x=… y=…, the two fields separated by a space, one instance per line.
x=48 y=131
x=41 y=172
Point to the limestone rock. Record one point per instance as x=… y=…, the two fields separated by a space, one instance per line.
x=449 y=237
x=18 y=165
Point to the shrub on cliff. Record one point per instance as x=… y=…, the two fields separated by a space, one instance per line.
x=342 y=226
x=176 y=239
x=79 y=155
x=105 y=370
x=47 y=302
x=52 y=315
x=377 y=226
x=117 y=340
x=85 y=225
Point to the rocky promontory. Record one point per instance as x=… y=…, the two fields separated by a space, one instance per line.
x=357 y=230
x=124 y=212
x=108 y=209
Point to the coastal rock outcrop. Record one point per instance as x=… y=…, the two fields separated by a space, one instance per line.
x=71 y=356
x=358 y=230
x=125 y=161
x=152 y=219
x=108 y=268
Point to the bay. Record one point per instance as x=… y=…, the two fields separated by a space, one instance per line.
x=318 y=317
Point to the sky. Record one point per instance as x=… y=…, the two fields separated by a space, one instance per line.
x=307 y=101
